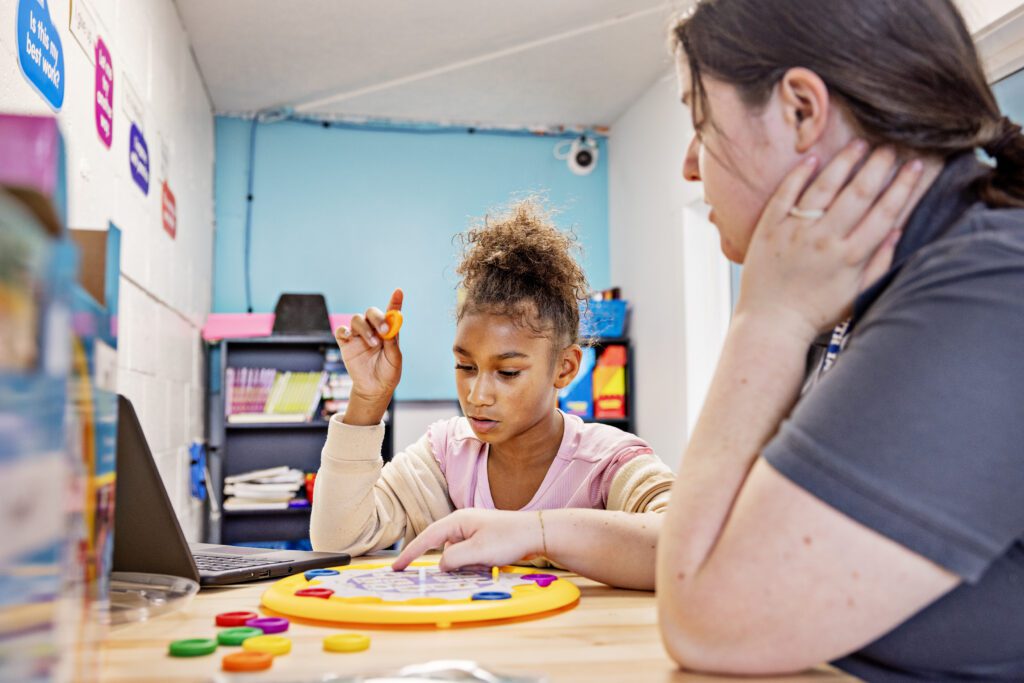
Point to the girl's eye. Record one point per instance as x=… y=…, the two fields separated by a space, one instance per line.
x=464 y=368
x=509 y=373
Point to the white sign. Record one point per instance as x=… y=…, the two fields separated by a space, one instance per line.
x=130 y=101
x=85 y=27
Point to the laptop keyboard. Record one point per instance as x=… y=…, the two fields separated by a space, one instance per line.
x=219 y=563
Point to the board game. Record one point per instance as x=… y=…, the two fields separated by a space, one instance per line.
x=422 y=594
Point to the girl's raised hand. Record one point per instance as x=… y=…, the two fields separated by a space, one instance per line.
x=818 y=245
x=373 y=362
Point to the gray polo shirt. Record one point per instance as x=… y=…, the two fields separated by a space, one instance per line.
x=917 y=431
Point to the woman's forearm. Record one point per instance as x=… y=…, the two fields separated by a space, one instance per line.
x=755 y=384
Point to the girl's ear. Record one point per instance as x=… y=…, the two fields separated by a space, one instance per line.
x=567 y=365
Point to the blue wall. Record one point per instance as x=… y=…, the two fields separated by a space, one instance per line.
x=354 y=213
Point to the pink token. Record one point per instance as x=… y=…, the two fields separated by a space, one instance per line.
x=269 y=624
x=315 y=592
x=235 y=618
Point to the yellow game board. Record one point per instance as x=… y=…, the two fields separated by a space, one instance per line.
x=422 y=594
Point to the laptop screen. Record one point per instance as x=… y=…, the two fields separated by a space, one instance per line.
x=147 y=536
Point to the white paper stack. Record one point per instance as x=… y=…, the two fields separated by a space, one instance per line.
x=269 y=489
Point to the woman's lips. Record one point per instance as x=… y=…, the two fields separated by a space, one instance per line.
x=482 y=425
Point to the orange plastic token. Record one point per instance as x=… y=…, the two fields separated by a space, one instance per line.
x=394 y=321
x=247 y=661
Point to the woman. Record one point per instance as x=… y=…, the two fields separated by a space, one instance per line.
x=860 y=504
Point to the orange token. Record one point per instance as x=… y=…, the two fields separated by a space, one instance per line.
x=394 y=321
x=247 y=661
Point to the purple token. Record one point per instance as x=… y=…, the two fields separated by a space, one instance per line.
x=269 y=624
x=542 y=580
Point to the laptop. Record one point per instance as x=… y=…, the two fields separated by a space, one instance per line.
x=148 y=538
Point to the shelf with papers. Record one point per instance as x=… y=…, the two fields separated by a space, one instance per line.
x=242 y=447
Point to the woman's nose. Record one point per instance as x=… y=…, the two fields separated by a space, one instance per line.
x=691 y=164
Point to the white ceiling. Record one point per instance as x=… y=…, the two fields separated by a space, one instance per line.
x=489 y=62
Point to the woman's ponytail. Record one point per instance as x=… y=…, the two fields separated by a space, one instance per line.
x=1004 y=185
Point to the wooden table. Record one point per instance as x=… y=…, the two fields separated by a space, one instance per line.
x=611 y=635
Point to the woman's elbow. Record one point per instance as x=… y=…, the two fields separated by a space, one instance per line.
x=699 y=638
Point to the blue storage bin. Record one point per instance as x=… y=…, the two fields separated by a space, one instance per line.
x=603 y=318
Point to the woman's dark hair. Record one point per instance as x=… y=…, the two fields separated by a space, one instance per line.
x=520 y=265
x=905 y=71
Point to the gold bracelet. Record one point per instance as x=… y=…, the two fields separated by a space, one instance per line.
x=543 y=537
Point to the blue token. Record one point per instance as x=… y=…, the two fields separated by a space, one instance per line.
x=492 y=595
x=313 y=573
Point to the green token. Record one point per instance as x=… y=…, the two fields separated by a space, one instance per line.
x=193 y=647
x=235 y=636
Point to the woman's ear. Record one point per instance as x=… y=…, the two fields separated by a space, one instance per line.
x=567 y=365
x=805 y=103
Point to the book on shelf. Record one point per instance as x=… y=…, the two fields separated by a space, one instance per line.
x=336 y=392
x=265 y=395
x=233 y=504
x=275 y=488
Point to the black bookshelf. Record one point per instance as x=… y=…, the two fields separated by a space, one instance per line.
x=237 y=448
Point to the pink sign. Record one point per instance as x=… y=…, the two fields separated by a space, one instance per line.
x=104 y=93
x=170 y=212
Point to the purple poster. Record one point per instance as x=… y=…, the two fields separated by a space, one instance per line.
x=104 y=93
x=138 y=159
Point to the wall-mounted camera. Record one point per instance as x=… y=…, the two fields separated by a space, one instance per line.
x=580 y=155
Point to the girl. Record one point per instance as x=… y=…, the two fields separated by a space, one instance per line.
x=861 y=505
x=516 y=345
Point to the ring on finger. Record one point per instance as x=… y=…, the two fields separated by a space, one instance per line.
x=813 y=214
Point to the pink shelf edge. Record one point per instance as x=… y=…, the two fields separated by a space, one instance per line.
x=245 y=325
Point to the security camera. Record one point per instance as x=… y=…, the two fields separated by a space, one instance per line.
x=579 y=154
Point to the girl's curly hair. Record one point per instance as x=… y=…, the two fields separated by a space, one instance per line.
x=520 y=265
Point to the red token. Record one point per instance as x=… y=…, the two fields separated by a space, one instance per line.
x=235 y=618
x=314 y=592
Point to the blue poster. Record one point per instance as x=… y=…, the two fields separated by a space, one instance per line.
x=40 y=53
x=138 y=159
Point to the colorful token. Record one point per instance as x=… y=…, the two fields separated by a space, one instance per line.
x=346 y=642
x=235 y=618
x=192 y=647
x=314 y=592
x=272 y=645
x=235 y=636
x=269 y=624
x=542 y=580
x=492 y=595
x=247 y=661
x=394 y=321
x=313 y=573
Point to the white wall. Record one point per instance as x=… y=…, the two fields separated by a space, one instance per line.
x=676 y=310
x=413 y=417
x=980 y=13
x=165 y=283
